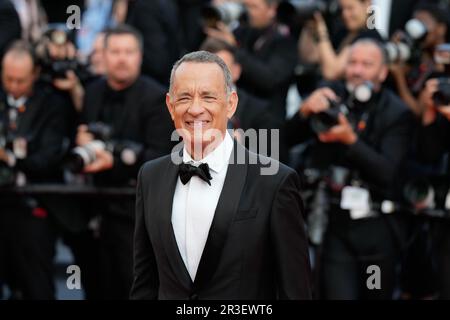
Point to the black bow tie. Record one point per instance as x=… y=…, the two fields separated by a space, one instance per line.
x=187 y=170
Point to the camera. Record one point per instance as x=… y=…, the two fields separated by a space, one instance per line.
x=325 y=120
x=408 y=49
x=55 y=68
x=301 y=9
x=227 y=12
x=322 y=185
x=81 y=156
x=428 y=193
x=7 y=176
x=419 y=193
x=441 y=97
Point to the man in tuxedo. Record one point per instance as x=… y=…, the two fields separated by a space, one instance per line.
x=210 y=222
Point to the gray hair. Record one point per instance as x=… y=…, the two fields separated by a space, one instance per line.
x=204 y=57
x=375 y=43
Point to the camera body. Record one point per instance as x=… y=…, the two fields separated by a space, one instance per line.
x=227 y=12
x=325 y=120
x=81 y=156
x=7 y=174
x=55 y=68
x=302 y=10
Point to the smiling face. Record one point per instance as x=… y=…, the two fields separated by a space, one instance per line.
x=199 y=105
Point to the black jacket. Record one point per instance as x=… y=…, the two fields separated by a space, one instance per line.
x=268 y=58
x=256 y=247
x=434 y=140
x=44 y=126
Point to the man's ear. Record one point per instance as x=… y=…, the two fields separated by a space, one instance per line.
x=232 y=104
x=36 y=72
x=383 y=73
x=169 y=105
x=273 y=10
x=441 y=29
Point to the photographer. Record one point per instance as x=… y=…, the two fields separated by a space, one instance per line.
x=125 y=124
x=265 y=50
x=433 y=144
x=363 y=148
x=32 y=131
x=331 y=52
x=60 y=66
x=409 y=76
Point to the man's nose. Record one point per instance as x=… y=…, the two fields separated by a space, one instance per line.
x=196 y=108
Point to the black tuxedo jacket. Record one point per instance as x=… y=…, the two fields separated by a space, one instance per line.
x=256 y=247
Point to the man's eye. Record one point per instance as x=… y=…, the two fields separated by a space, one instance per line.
x=210 y=98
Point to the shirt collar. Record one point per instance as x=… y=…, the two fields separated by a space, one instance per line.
x=16 y=103
x=217 y=159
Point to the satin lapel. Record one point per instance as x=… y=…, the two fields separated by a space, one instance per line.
x=168 y=239
x=225 y=211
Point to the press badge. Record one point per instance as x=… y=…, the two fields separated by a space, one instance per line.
x=357 y=201
x=20 y=148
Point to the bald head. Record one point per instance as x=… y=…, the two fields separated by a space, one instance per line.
x=367 y=62
x=18 y=72
x=375 y=46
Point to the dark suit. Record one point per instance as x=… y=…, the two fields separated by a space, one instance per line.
x=268 y=58
x=27 y=222
x=256 y=247
x=142 y=118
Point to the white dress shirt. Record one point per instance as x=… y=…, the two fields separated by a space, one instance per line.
x=194 y=204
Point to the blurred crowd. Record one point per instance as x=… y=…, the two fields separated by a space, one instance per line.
x=82 y=107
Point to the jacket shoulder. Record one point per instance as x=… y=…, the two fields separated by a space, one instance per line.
x=269 y=168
